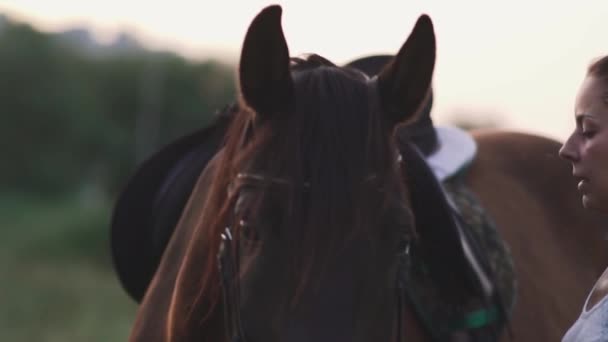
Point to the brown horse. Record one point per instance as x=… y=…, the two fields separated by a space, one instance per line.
x=312 y=189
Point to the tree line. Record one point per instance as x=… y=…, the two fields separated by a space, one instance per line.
x=72 y=119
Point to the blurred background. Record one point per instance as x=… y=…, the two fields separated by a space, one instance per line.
x=89 y=89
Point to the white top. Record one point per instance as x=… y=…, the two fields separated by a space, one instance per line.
x=592 y=325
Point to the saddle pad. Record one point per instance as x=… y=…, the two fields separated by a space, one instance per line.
x=456 y=150
x=443 y=319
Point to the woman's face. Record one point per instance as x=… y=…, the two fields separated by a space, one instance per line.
x=587 y=147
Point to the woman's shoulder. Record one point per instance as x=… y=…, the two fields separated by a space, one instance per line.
x=598 y=292
x=592 y=323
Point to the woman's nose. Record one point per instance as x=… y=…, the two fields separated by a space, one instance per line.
x=568 y=151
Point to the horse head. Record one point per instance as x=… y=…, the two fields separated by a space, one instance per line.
x=308 y=193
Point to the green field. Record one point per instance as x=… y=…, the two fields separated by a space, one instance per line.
x=56 y=276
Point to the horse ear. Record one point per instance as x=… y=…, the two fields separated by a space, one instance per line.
x=264 y=77
x=404 y=83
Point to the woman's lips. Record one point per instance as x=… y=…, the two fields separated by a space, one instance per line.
x=583 y=185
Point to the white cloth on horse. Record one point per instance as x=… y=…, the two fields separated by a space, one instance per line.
x=592 y=325
x=457 y=149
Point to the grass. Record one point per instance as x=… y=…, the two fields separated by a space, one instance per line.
x=56 y=276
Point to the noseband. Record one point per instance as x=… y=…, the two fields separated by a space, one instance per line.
x=228 y=263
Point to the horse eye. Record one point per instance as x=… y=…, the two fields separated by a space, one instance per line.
x=249 y=232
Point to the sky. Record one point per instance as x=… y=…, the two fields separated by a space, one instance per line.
x=519 y=62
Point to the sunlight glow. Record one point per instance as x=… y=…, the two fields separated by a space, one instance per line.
x=520 y=60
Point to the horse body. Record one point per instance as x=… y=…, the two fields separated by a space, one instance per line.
x=557 y=247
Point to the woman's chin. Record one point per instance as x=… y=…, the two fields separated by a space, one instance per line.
x=591 y=203
x=587 y=202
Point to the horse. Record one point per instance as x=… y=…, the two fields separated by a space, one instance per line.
x=302 y=226
x=149 y=205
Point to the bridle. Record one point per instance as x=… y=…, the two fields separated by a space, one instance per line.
x=229 y=273
x=228 y=263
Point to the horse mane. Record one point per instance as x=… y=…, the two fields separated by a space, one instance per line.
x=342 y=149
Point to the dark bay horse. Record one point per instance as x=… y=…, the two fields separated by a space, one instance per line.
x=314 y=192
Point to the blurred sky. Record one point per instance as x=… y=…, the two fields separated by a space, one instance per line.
x=521 y=60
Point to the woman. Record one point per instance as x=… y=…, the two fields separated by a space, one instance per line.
x=587 y=150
